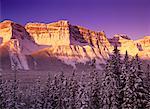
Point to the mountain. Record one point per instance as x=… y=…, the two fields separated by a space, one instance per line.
x=140 y=46
x=144 y=47
x=16 y=43
x=61 y=45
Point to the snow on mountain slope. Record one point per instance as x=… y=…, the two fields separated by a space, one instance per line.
x=71 y=44
x=140 y=47
x=124 y=44
x=16 y=57
x=144 y=43
x=144 y=47
x=18 y=43
x=4 y=58
x=74 y=54
x=10 y=30
x=42 y=46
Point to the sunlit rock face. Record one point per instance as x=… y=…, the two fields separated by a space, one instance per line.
x=63 y=33
x=70 y=43
x=17 y=43
x=83 y=36
x=140 y=47
x=61 y=42
x=144 y=43
x=50 y=34
x=144 y=47
x=6 y=30
x=73 y=54
x=11 y=31
x=124 y=44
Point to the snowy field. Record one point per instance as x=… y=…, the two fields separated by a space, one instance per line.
x=29 y=77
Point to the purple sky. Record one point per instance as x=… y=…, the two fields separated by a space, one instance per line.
x=131 y=17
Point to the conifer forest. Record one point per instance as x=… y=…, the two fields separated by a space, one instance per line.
x=124 y=84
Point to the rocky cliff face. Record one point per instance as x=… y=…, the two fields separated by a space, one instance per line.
x=143 y=44
x=63 y=33
x=71 y=44
x=140 y=47
x=124 y=43
x=17 y=42
x=50 y=34
x=10 y=31
x=144 y=47
x=60 y=42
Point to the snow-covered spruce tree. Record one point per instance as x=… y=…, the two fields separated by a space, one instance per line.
x=73 y=89
x=83 y=96
x=125 y=70
x=14 y=100
x=147 y=77
x=135 y=94
x=47 y=94
x=148 y=83
x=94 y=91
x=63 y=92
x=54 y=93
x=2 y=93
x=59 y=92
x=143 y=96
x=126 y=80
x=36 y=101
x=93 y=63
x=111 y=83
x=28 y=96
x=137 y=64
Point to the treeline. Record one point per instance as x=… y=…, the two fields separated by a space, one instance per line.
x=124 y=85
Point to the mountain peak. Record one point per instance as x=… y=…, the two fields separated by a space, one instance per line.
x=7 y=21
x=39 y=43
x=122 y=36
x=64 y=21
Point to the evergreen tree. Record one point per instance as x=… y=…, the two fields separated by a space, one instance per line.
x=137 y=64
x=36 y=95
x=83 y=97
x=93 y=63
x=27 y=96
x=73 y=91
x=47 y=94
x=125 y=69
x=148 y=84
x=59 y=90
x=111 y=85
x=135 y=94
x=14 y=100
x=55 y=94
x=63 y=92
x=147 y=77
x=2 y=93
x=95 y=91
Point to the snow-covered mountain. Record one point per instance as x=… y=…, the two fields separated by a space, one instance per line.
x=46 y=46
x=16 y=43
x=140 y=47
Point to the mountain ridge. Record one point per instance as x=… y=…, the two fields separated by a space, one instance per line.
x=29 y=45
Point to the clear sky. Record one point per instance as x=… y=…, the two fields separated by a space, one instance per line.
x=131 y=17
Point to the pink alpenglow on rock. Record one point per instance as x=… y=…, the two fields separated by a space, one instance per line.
x=62 y=44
